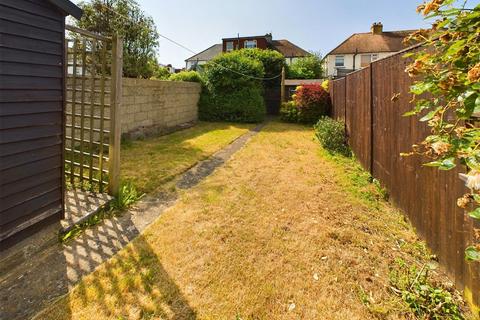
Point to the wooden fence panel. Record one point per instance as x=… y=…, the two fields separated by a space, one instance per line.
x=374 y=102
x=358 y=116
x=337 y=94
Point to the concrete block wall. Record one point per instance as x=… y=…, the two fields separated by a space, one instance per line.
x=152 y=106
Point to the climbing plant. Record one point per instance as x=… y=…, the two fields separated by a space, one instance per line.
x=447 y=95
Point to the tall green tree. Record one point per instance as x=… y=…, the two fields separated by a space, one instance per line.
x=310 y=67
x=126 y=18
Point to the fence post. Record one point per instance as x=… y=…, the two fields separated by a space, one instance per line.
x=371 y=119
x=115 y=118
x=282 y=86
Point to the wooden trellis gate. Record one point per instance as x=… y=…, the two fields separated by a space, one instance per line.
x=92 y=111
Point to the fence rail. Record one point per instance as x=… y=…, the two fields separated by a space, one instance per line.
x=377 y=133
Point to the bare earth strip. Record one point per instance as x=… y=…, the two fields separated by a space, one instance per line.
x=281 y=231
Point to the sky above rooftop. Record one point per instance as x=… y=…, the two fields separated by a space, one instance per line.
x=315 y=25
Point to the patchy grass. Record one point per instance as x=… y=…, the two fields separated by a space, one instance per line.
x=152 y=162
x=282 y=231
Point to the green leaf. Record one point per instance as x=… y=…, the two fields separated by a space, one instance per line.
x=410 y=113
x=472 y=254
x=456 y=47
x=476 y=197
x=477 y=105
x=475 y=214
x=447 y=164
x=420 y=87
x=428 y=116
x=433 y=164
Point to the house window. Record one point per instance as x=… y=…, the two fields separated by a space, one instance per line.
x=366 y=59
x=340 y=61
x=250 y=44
x=229 y=46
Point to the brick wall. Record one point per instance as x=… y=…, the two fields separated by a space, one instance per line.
x=153 y=106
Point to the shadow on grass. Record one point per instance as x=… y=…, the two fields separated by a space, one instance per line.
x=132 y=285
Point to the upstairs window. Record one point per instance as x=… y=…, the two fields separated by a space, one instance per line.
x=250 y=44
x=229 y=46
x=340 y=61
x=366 y=59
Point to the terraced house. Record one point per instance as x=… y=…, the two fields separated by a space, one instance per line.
x=360 y=49
x=291 y=51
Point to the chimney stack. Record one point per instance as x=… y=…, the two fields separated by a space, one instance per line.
x=377 y=28
x=268 y=36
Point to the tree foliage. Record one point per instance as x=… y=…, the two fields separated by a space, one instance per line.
x=447 y=94
x=232 y=89
x=310 y=67
x=124 y=17
x=272 y=61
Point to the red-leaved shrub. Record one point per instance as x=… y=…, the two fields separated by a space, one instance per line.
x=312 y=102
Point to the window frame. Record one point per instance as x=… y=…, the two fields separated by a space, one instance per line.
x=343 y=61
x=252 y=41
x=227 y=48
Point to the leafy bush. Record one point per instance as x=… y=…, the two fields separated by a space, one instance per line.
x=289 y=112
x=310 y=101
x=225 y=73
x=425 y=299
x=310 y=67
x=272 y=61
x=159 y=72
x=188 y=76
x=243 y=105
x=331 y=134
x=232 y=91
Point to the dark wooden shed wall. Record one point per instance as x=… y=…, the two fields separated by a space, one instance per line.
x=31 y=114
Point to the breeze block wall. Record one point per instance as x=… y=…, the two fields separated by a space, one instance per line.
x=153 y=106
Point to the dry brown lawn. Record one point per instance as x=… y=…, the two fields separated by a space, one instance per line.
x=282 y=231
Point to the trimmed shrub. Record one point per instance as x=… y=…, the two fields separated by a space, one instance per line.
x=289 y=112
x=188 y=76
x=225 y=73
x=230 y=93
x=272 y=61
x=310 y=101
x=244 y=105
x=331 y=135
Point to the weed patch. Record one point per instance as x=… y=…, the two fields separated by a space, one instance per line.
x=425 y=298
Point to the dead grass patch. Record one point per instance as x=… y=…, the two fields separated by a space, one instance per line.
x=152 y=162
x=281 y=231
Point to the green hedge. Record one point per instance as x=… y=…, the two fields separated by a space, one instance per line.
x=232 y=90
x=243 y=105
x=188 y=76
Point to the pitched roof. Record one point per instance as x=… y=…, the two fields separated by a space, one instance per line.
x=288 y=49
x=388 y=41
x=207 y=54
x=68 y=7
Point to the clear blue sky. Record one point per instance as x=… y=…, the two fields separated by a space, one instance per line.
x=318 y=25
